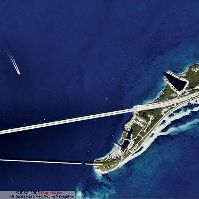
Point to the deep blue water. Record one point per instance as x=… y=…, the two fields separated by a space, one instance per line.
x=177 y=83
x=82 y=57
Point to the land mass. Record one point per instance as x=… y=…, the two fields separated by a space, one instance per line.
x=180 y=90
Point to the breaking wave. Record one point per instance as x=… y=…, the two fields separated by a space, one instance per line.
x=176 y=116
x=104 y=188
x=160 y=129
x=95 y=188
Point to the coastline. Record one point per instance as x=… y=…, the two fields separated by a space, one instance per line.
x=149 y=140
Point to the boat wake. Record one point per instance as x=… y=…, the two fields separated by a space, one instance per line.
x=13 y=62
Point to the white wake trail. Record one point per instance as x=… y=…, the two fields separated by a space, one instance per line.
x=13 y=62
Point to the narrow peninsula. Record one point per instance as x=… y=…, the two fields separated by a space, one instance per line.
x=180 y=90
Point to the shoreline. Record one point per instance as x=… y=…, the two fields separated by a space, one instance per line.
x=149 y=140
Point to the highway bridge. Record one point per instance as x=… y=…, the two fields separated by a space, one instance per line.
x=187 y=98
x=137 y=108
x=51 y=162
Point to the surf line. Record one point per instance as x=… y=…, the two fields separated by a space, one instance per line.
x=13 y=61
x=47 y=162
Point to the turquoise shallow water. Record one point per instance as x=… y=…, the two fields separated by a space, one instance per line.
x=170 y=164
x=169 y=168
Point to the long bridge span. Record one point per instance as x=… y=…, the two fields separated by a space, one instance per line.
x=51 y=162
x=187 y=98
x=101 y=115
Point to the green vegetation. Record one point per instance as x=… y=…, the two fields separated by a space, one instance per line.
x=135 y=128
x=142 y=130
x=167 y=92
x=192 y=76
x=156 y=113
x=137 y=139
x=108 y=165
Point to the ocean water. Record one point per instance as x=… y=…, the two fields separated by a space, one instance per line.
x=82 y=57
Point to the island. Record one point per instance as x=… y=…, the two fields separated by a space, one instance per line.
x=180 y=90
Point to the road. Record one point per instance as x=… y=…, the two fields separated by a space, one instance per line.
x=189 y=97
x=101 y=115
x=50 y=162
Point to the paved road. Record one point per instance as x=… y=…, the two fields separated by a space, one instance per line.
x=50 y=162
x=89 y=117
x=101 y=115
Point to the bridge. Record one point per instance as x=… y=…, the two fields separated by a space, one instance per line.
x=137 y=108
x=187 y=98
x=51 y=162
